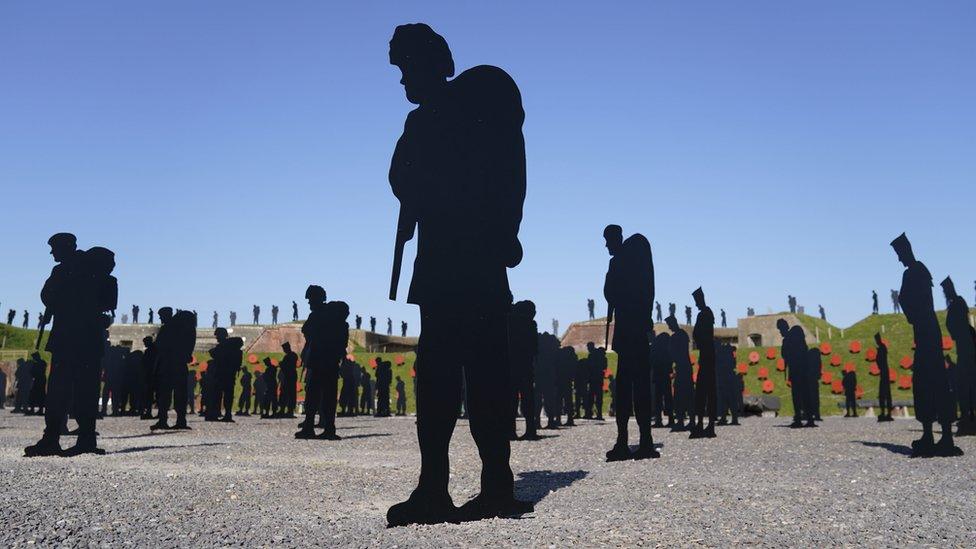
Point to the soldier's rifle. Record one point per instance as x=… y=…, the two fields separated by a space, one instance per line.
x=606 y=336
x=405 y=228
x=40 y=331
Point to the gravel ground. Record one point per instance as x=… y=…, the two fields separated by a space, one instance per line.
x=849 y=482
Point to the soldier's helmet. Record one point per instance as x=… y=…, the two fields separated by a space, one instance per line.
x=315 y=293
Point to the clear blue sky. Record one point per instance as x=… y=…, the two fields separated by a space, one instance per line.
x=231 y=152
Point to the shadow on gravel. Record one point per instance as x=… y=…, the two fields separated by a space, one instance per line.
x=148 y=448
x=367 y=435
x=535 y=485
x=142 y=435
x=893 y=448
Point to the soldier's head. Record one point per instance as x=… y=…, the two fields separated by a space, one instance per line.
x=948 y=288
x=699 y=296
x=62 y=246
x=100 y=261
x=424 y=60
x=877 y=339
x=147 y=341
x=672 y=323
x=36 y=355
x=315 y=294
x=220 y=334
x=782 y=326
x=525 y=309
x=286 y=347
x=614 y=235
x=590 y=347
x=267 y=362
x=165 y=314
x=904 y=250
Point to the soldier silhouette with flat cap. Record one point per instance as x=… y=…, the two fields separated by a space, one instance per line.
x=724 y=321
x=688 y=315
x=401 y=401
x=26 y=323
x=403 y=328
x=174 y=345
x=233 y=318
x=874 y=302
x=256 y=313
x=684 y=386
x=359 y=322
x=135 y=314
x=794 y=353
x=10 y=316
x=274 y=315
x=523 y=345
x=372 y=324
x=326 y=336
x=884 y=383
x=930 y=383
x=459 y=173
x=244 y=400
x=957 y=324
x=226 y=356
x=705 y=387
x=294 y=311
x=591 y=308
x=629 y=291
x=289 y=380
x=849 y=384
x=661 y=368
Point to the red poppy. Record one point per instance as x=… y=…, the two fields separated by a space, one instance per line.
x=372 y=363
x=892 y=376
x=871 y=355
x=606 y=373
x=855 y=347
x=836 y=387
x=825 y=348
x=763 y=373
x=858 y=391
x=874 y=370
x=753 y=357
x=399 y=359
x=767 y=386
x=202 y=367
x=606 y=385
x=693 y=359
x=835 y=361
x=826 y=378
x=781 y=365
x=413 y=372
x=905 y=382
x=274 y=361
x=742 y=368
x=771 y=353
x=252 y=358
x=946 y=343
x=351 y=358
x=849 y=367
x=906 y=362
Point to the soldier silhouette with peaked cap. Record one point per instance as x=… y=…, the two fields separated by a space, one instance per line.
x=372 y=324
x=151 y=315
x=684 y=386
x=256 y=313
x=794 y=353
x=688 y=315
x=957 y=324
x=244 y=399
x=294 y=311
x=459 y=173
x=135 y=314
x=661 y=368
x=226 y=356
x=724 y=321
x=629 y=291
x=233 y=318
x=874 y=302
x=174 y=346
x=523 y=345
x=657 y=308
x=401 y=401
x=403 y=328
x=930 y=384
x=705 y=388
x=884 y=380
x=591 y=308
x=326 y=336
x=289 y=381
x=359 y=322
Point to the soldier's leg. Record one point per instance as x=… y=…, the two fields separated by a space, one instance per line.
x=59 y=389
x=796 y=392
x=528 y=408
x=668 y=400
x=86 y=394
x=625 y=394
x=642 y=399
x=179 y=394
x=164 y=392
x=598 y=400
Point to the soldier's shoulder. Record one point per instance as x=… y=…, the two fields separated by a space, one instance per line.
x=489 y=89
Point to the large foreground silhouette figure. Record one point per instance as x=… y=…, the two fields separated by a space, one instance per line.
x=930 y=384
x=964 y=388
x=629 y=291
x=459 y=173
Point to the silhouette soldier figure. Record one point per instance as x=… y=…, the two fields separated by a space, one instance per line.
x=591 y=308
x=596 y=362
x=294 y=311
x=957 y=324
x=684 y=386
x=26 y=323
x=794 y=352
x=849 y=383
x=401 y=402
x=269 y=405
x=326 y=336
x=555 y=327
x=135 y=314
x=214 y=324
x=523 y=345
x=384 y=378
x=174 y=343
x=227 y=357
x=661 y=366
x=629 y=291
x=233 y=318
x=372 y=324
x=403 y=328
x=259 y=392
x=244 y=400
x=565 y=372
x=359 y=322
x=930 y=384
x=366 y=395
x=874 y=302
x=10 y=316
x=274 y=315
x=722 y=314
x=23 y=381
x=459 y=173
x=347 y=395
x=151 y=315
x=389 y=326
x=792 y=302
x=546 y=382
x=895 y=306
x=672 y=309
x=580 y=386
x=884 y=383
x=289 y=381
x=705 y=388
x=125 y=318
x=688 y=315
x=38 y=393
x=823 y=313
x=657 y=308
x=256 y=312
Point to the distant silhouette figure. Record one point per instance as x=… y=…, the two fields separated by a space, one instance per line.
x=294 y=311
x=38 y=390
x=688 y=315
x=401 y=401
x=629 y=291
x=135 y=314
x=244 y=400
x=10 y=316
x=326 y=335
x=884 y=383
x=849 y=383
x=359 y=322
x=596 y=365
x=459 y=173
x=259 y=392
x=523 y=346
x=78 y=296
x=727 y=385
x=269 y=404
x=226 y=357
x=794 y=353
x=706 y=395
x=288 y=371
x=366 y=397
x=372 y=324
x=403 y=328
x=874 y=302
x=555 y=327
x=23 y=381
x=957 y=324
x=930 y=384
x=662 y=371
x=591 y=308
x=40 y=320
x=792 y=303
x=274 y=315
x=724 y=322
x=151 y=316
x=823 y=313
x=389 y=326
x=174 y=347
x=125 y=318
x=233 y=318
x=672 y=309
x=256 y=313
x=26 y=323
x=750 y=311
x=567 y=363
x=546 y=376
x=215 y=323
x=684 y=387
x=657 y=308
x=895 y=305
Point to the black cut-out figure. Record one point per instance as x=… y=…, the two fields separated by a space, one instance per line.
x=174 y=346
x=326 y=336
x=38 y=390
x=40 y=320
x=152 y=315
x=259 y=392
x=256 y=313
x=10 y=316
x=227 y=357
x=964 y=388
x=150 y=377
x=294 y=311
x=884 y=384
x=289 y=381
x=372 y=324
x=233 y=318
x=23 y=380
x=111 y=375
x=565 y=372
x=591 y=308
x=389 y=326
x=794 y=353
x=684 y=386
x=705 y=388
x=849 y=383
x=555 y=327
x=580 y=386
x=269 y=404
x=244 y=400
x=688 y=315
x=661 y=368
x=596 y=361
x=26 y=323
x=359 y=322
x=547 y=396
x=384 y=377
x=930 y=384
x=629 y=291
x=814 y=371
x=215 y=323
x=672 y=309
x=657 y=309
x=874 y=302
x=401 y=401
x=792 y=303
x=77 y=296
x=523 y=345
x=895 y=306
x=349 y=374
x=725 y=323
x=135 y=314
x=459 y=173
x=403 y=328
x=368 y=388
x=274 y=315
x=725 y=383
x=823 y=313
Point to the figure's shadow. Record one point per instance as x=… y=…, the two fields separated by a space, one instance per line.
x=366 y=435
x=535 y=485
x=142 y=435
x=148 y=448
x=893 y=448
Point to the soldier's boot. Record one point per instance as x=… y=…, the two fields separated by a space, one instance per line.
x=925 y=446
x=619 y=452
x=483 y=507
x=181 y=424
x=160 y=424
x=227 y=418
x=305 y=433
x=697 y=430
x=709 y=431
x=945 y=446
x=45 y=447
x=646 y=451
x=328 y=434
x=422 y=509
x=84 y=445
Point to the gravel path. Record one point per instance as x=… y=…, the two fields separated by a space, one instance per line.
x=250 y=484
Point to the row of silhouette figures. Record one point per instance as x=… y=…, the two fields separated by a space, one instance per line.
x=458 y=172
